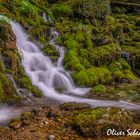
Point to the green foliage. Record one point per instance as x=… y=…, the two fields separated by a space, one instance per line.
x=121 y=70
x=93 y=9
x=72 y=44
x=92 y=76
x=69 y=54
x=104 y=55
x=81 y=78
x=74 y=64
x=89 y=43
x=3 y=19
x=110 y=20
x=27 y=7
x=59 y=10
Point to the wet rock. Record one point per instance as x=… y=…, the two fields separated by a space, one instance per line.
x=98 y=121
x=74 y=106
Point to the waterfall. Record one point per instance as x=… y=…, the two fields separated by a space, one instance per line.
x=45 y=17
x=126 y=56
x=47 y=76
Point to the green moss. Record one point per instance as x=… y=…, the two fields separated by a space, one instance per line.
x=74 y=64
x=50 y=50
x=92 y=10
x=89 y=117
x=12 y=61
x=27 y=7
x=85 y=63
x=72 y=44
x=97 y=90
x=1 y=66
x=26 y=116
x=59 y=10
x=104 y=55
x=96 y=122
x=69 y=54
x=121 y=70
x=26 y=83
x=80 y=36
x=81 y=78
x=74 y=106
x=8 y=92
x=89 y=43
x=110 y=20
x=92 y=76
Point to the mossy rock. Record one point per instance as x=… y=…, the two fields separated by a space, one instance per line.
x=15 y=125
x=8 y=92
x=92 y=76
x=51 y=51
x=97 y=121
x=97 y=90
x=74 y=106
x=26 y=116
x=14 y=120
x=27 y=83
x=121 y=71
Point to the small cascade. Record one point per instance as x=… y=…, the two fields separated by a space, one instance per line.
x=45 y=17
x=126 y=56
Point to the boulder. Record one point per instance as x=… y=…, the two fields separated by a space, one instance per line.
x=97 y=121
x=74 y=106
x=26 y=116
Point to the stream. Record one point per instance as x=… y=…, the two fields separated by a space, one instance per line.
x=47 y=76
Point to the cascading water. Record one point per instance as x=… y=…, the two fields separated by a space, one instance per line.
x=47 y=76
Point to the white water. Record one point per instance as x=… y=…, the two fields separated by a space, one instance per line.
x=48 y=76
x=46 y=18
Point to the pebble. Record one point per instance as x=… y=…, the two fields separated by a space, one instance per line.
x=46 y=122
x=51 y=137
